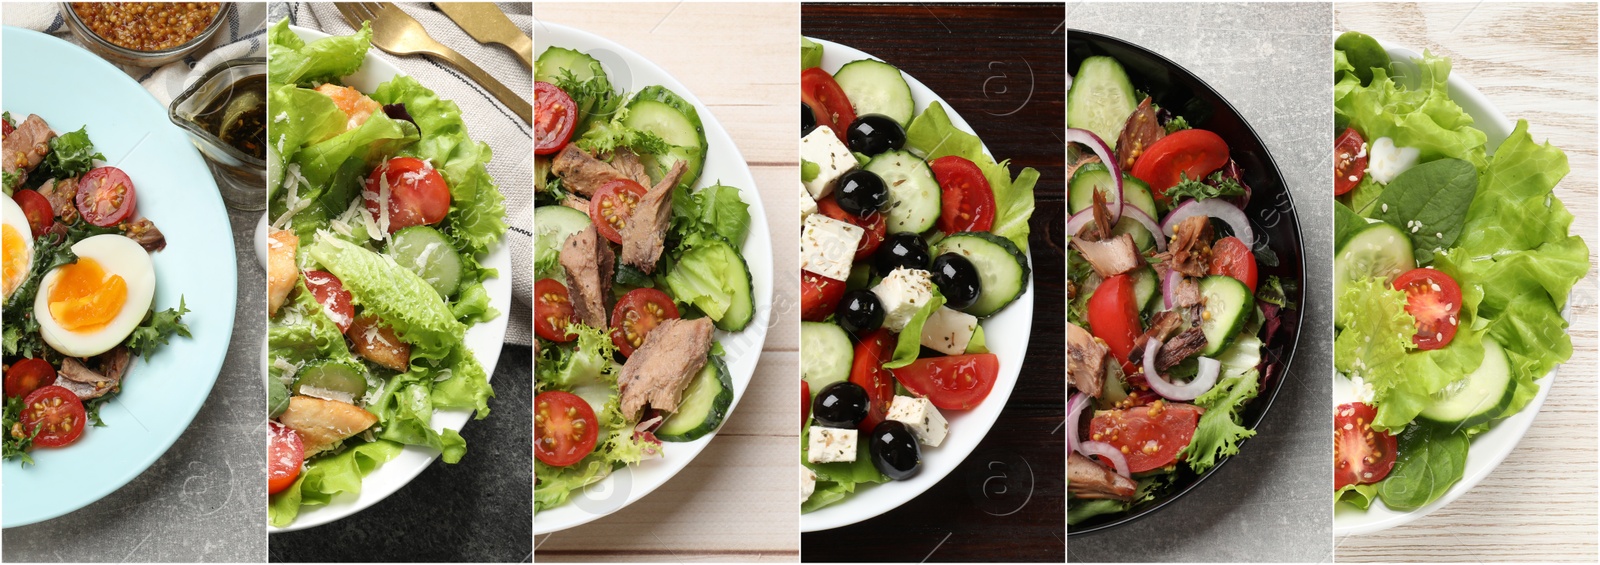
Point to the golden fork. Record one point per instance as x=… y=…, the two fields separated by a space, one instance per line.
x=398 y=33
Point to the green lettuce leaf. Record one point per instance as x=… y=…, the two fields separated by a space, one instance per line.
x=326 y=477
x=396 y=295
x=324 y=60
x=909 y=344
x=835 y=481
x=1424 y=117
x=1219 y=433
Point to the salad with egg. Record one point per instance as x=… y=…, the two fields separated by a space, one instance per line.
x=79 y=285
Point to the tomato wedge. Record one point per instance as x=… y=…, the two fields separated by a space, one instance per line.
x=1114 y=316
x=827 y=101
x=805 y=402
x=564 y=428
x=1361 y=455
x=28 y=375
x=418 y=195
x=1191 y=153
x=639 y=311
x=612 y=205
x=335 y=300
x=38 y=210
x=554 y=117
x=1150 y=435
x=106 y=197
x=1231 y=257
x=966 y=199
x=1434 y=299
x=552 y=311
x=57 y=415
x=286 y=452
x=867 y=370
x=1349 y=161
x=819 y=296
x=955 y=382
x=873 y=225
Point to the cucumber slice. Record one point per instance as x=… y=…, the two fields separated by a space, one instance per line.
x=658 y=110
x=1478 y=397
x=1228 y=304
x=711 y=268
x=825 y=354
x=1094 y=176
x=1145 y=287
x=552 y=225
x=913 y=191
x=1101 y=98
x=331 y=376
x=556 y=59
x=704 y=405
x=1002 y=268
x=876 y=87
x=426 y=252
x=1380 y=250
x=1142 y=238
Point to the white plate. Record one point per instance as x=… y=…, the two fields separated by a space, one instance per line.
x=1491 y=447
x=1005 y=333
x=483 y=339
x=630 y=72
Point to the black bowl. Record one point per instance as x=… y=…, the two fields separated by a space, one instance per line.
x=1271 y=213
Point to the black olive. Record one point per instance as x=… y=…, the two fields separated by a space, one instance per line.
x=900 y=250
x=840 y=405
x=859 y=312
x=808 y=120
x=957 y=280
x=861 y=193
x=875 y=133
x=895 y=451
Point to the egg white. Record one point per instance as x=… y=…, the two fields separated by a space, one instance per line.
x=118 y=255
x=16 y=219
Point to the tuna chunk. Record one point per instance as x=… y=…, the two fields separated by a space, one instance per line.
x=1190 y=251
x=646 y=229
x=1086 y=361
x=63 y=195
x=145 y=233
x=103 y=379
x=664 y=365
x=1088 y=479
x=26 y=146
x=1110 y=257
x=589 y=263
x=584 y=174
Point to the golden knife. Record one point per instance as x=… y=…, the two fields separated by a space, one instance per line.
x=487 y=24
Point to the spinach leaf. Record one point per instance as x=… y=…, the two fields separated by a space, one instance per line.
x=1346 y=224
x=1430 y=202
x=1431 y=460
x=1363 y=54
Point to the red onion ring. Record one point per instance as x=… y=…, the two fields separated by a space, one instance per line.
x=1077 y=221
x=1169 y=288
x=1075 y=406
x=1148 y=223
x=1108 y=451
x=1215 y=208
x=1203 y=381
x=1109 y=159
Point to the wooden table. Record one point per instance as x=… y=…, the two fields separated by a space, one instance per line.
x=737 y=500
x=1536 y=62
x=1003 y=68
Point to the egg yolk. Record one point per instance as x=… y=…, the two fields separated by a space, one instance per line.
x=84 y=298
x=16 y=258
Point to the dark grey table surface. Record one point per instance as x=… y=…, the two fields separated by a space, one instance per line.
x=1272 y=503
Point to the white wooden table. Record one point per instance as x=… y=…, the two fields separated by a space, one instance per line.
x=737 y=500
x=1536 y=62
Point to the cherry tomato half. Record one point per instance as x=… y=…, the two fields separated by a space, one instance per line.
x=954 y=382
x=638 y=312
x=1231 y=257
x=554 y=117
x=966 y=200
x=564 y=428
x=329 y=291
x=1361 y=455
x=28 y=375
x=1150 y=436
x=56 y=413
x=106 y=197
x=286 y=452
x=1349 y=161
x=418 y=195
x=866 y=369
x=552 y=311
x=874 y=226
x=41 y=215
x=1434 y=299
x=819 y=296
x=827 y=101
x=1191 y=153
x=612 y=205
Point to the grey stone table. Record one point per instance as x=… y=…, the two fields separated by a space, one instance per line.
x=205 y=499
x=1272 y=502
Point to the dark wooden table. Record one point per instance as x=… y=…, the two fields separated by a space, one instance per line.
x=1003 y=68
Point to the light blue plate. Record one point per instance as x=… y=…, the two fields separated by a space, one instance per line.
x=71 y=88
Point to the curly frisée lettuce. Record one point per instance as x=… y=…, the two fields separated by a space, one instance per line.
x=587 y=370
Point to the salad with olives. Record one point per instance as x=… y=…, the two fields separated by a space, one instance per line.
x=912 y=235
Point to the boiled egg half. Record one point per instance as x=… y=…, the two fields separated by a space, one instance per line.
x=17 y=240
x=87 y=307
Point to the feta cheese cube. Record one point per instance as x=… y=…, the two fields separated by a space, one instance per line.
x=832 y=157
x=807 y=205
x=922 y=417
x=902 y=293
x=808 y=483
x=828 y=246
x=831 y=445
x=948 y=331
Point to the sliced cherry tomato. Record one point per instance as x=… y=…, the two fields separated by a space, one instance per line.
x=6 y=128
x=28 y=375
x=41 y=215
x=286 y=452
x=1434 y=299
x=827 y=101
x=873 y=225
x=966 y=200
x=1150 y=436
x=106 y=197
x=335 y=300
x=554 y=117
x=1349 y=161
x=1191 y=153
x=639 y=311
x=954 y=382
x=552 y=311
x=1361 y=455
x=819 y=296
x=805 y=402
x=1231 y=257
x=867 y=370
x=56 y=413
x=612 y=205
x=1114 y=316
x=418 y=195
x=565 y=428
